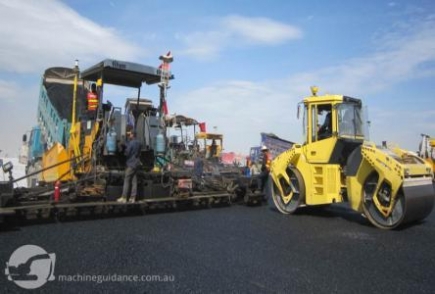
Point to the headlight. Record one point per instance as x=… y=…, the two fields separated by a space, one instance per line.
x=7 y=167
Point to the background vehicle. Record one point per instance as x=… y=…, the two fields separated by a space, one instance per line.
x=210 y=144
x=427 y=149
x=276 y=146
x=248 y=185
x=389 y=186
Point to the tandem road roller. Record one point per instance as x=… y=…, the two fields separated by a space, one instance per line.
x=389 y=186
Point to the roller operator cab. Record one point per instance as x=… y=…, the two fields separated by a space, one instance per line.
x=390 y=186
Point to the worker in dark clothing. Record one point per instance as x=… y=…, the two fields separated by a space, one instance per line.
x=213 y=149
x=198 y=167
x=325 y=131
x=132 y=153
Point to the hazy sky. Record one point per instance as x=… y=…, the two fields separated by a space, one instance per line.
x=241 y=66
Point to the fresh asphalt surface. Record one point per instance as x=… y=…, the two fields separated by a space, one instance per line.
x=235 y=249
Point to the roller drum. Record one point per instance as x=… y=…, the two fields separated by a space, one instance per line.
x=419 y=200
x=414 y=202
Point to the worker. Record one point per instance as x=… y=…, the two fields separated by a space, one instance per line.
x=325 y=131
x=198 y=167
x=247 y=168
x=265 y=166
x=213 y=149
x=132 y=153
x=92 y=98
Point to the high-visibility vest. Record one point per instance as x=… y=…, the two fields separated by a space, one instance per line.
x=92 y=101
x=267 y=159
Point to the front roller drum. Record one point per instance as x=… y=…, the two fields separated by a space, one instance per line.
x=414 y=202
x=294 y=192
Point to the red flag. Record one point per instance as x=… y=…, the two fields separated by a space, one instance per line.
x=202 y=127
x=165 y=108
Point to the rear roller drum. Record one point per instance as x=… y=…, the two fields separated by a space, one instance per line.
x=294 y=192
x=412 y=203
x=371 y=210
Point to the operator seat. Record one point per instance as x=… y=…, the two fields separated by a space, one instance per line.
x=325 y=131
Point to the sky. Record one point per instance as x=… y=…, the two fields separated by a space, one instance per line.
x=240 y=66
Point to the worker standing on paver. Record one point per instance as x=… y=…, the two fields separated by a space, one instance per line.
x=132 y=152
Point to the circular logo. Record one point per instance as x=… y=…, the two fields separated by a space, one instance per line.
x=30 y=267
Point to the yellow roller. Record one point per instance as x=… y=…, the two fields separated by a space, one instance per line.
x=391 y=186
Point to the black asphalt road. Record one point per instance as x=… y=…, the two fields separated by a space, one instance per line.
x=233 y=249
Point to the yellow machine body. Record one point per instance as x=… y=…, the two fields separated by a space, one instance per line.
x=65 y=163
x=210 y=143
x=431 y=159
x=56 y=154
x=335 y=164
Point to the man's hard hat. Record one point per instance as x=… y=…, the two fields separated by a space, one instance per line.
x=264 y=147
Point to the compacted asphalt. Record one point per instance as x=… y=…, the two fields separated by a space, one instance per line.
x=236 y=249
